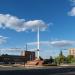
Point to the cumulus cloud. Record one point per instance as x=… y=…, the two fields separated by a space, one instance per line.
x=13 y=22
x=3 y=39
x=72 y=12
x=59 y=43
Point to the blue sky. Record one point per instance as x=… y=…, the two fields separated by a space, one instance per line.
x=58 y=15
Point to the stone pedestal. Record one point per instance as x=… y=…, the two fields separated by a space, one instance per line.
x=36 y=62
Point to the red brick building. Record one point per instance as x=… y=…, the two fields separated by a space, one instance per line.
x=29 y=55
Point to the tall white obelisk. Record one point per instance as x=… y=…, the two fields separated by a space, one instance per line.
x=38 y=43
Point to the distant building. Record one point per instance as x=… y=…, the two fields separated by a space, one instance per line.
x=29 y=55
x=7 y=59
x=72 y=51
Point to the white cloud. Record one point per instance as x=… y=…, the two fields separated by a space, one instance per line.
x=72 y=12
x=58 y=43
x=13 y=22
x=62 y=43
x=36 y=23
x=3 y=39
x=41 y=43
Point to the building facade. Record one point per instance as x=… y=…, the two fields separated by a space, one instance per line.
x=29 y=55
x=72 y=51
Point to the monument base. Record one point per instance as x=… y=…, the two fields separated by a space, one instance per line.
x=36 y=62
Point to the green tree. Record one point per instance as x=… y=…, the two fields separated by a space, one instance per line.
x=51 y=59
x=70 y=58
x=60 y=59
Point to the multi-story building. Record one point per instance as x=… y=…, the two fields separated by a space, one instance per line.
x=72 y=51
x=29 y=55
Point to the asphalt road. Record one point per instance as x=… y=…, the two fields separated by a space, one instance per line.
x=38 y=71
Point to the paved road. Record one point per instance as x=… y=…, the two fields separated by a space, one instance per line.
x=38 y=71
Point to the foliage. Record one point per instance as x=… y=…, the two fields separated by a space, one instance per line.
x=70 y=59
x=60 y=59
x=49 y=61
